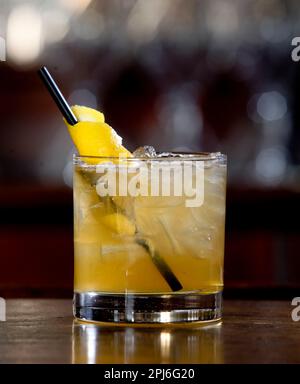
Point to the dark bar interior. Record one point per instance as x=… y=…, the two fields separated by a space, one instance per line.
x=195 y=77
x=181 y=76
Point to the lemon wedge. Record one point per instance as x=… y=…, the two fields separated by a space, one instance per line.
x=93 y=137
x=87 y=114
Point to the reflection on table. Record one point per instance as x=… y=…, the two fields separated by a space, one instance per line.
x=102 y=344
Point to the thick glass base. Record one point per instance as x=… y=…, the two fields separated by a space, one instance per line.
x=147 y=308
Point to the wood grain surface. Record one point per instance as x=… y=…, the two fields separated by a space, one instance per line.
x=43 y=331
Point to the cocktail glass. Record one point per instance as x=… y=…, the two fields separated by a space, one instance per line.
x=149 y=238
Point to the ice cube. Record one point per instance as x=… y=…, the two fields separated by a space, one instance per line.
x=145 y=151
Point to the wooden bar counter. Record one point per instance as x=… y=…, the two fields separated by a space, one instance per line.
x=43 y=331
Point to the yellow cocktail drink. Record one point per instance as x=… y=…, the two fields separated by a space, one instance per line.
x=149 y=229
x=131 y=245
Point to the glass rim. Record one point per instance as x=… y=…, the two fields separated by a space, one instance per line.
x=170 y=156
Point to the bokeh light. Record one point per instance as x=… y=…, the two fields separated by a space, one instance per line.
x=271 y=106
x=271 y=165
x=25 y=39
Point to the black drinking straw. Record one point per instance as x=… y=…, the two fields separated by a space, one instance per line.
x=161 y=265
x=57 y=96
x=68 y=114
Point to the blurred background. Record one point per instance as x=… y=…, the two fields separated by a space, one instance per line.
x=209 y=75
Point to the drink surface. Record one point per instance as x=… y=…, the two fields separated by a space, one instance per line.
x=110 y=231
